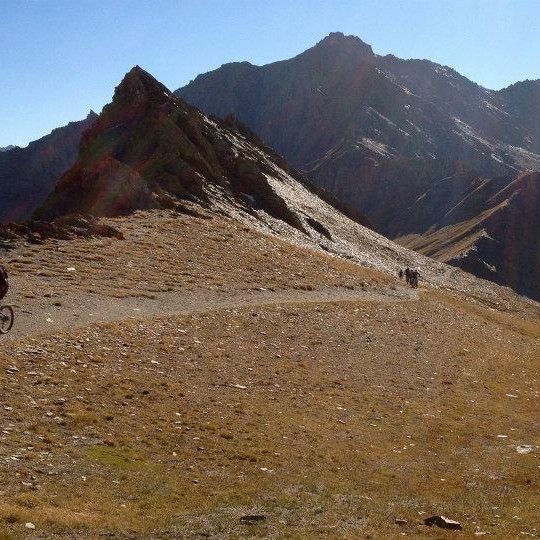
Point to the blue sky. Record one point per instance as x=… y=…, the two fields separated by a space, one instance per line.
x=60 y=58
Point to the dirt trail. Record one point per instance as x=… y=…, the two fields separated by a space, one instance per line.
x=34 y=318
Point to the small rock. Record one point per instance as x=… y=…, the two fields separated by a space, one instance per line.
x=29 y=525
x=252 y=518
x=524 y=449
x=399 y=521
x=443 y=523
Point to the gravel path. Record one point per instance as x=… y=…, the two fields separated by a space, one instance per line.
x=36 y=319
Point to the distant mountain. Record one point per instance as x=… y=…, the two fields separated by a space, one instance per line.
x=339 y=98
x=28 y=175
x=386 y=134
x=7 y=148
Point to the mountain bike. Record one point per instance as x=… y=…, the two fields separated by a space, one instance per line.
x=7 y=318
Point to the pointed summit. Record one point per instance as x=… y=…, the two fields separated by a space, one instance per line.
x=137 y=85
x=137 y=92
x=151 y=150
x=338 y=41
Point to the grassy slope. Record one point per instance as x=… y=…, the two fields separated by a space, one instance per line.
x=165 y=252
x=349 y=414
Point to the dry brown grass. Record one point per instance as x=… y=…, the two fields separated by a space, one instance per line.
x=352 y=414
x=333 y=419
x=172 y=253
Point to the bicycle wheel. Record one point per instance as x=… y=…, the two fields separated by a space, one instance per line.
x=6 y=319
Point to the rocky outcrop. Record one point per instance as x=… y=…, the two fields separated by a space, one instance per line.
x=149 y=149
x=28 y=175
x=65 y=228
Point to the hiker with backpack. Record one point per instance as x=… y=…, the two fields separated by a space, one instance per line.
x=415 y=274
x=408 y=275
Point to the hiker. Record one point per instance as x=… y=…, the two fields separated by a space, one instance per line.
x=414 y=278
x=408 y=275
x=4 y=283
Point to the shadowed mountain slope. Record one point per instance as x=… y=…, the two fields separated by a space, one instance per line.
x=28 y=175
x=340 y=97
x=489 y=229
x=407 y=142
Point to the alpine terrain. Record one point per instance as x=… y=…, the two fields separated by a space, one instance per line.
x=207 y=346
x=432 y=159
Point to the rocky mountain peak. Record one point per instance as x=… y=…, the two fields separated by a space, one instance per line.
x=151 y=150
x=338 y=41
x=137 y=92
x=137 y=86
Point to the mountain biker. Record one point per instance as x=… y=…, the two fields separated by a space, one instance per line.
x=4 y=282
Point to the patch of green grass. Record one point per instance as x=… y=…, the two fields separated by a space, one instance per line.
x=121 y=458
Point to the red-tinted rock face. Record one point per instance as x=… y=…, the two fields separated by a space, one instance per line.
x=149 y=149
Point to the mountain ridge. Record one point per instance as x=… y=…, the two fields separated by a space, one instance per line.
x=380 y=132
